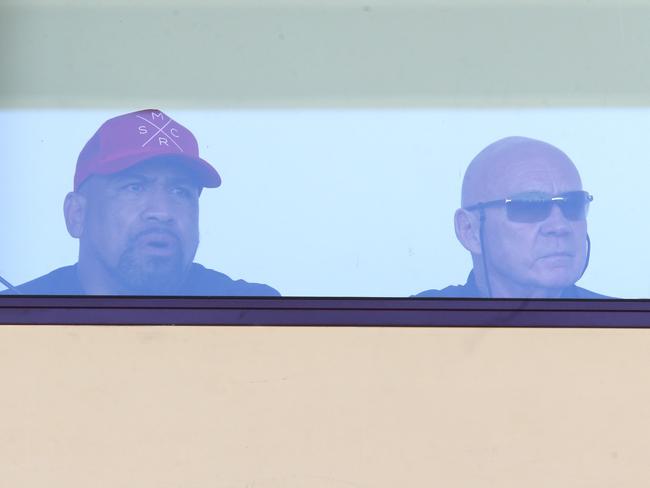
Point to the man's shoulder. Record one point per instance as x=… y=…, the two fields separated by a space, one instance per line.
x=61 y=281
x=468 y=290
x=208 y=282
x=464 y=291
x=582 y=293
x=453 y=291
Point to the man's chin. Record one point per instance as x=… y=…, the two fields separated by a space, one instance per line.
x=151 y=276
x=558 y=280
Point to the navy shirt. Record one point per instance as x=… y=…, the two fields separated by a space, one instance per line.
x=470 y=290
x=200 y=281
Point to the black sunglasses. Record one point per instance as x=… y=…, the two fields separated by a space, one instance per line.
x=536 y=207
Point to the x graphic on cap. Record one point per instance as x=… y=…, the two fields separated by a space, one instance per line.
x=160 y=129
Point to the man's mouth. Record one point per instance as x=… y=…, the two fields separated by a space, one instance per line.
x=558 y=254
x=559 y=258
x=160 y=243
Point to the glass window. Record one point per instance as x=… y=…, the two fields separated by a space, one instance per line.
x=419 y=149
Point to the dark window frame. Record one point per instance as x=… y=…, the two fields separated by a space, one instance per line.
x=295 y=311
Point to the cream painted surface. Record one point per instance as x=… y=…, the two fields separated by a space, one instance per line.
x=321 y=54
x=327 y=408
x=326 y=3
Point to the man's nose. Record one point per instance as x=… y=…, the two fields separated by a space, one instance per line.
x=556 y=223
x=158 y=207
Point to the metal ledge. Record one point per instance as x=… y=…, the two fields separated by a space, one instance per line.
x=272 y=311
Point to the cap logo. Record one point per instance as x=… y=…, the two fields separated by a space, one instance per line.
x=163 y=136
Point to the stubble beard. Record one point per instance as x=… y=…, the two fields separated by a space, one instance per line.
x=150 y=275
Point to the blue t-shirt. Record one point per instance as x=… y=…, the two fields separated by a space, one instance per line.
x=199 y=281
x=470 y=290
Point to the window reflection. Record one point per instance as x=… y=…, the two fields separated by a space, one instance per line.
x=366 y=203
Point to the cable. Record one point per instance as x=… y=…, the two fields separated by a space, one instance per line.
x=10 y=286
x=483 y=255
x=588 y=256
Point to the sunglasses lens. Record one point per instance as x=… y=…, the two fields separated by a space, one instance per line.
x=575 y=205
x=528 y=210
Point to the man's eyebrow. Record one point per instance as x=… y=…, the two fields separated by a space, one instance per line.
x=171 y=180
x=184 y=181
x=531 y=193
x=118 y=178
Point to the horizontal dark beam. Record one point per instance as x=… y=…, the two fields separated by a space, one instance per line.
x=386 y=312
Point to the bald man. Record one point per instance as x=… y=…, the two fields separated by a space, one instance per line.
x=523 y=218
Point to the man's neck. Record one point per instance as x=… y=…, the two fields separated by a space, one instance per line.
x=501 y=288
x=96 y=281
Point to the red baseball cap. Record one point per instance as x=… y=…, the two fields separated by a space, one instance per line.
x=132 y=138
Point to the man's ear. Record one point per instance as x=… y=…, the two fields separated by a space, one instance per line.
x=74 y=210
x=467 y=229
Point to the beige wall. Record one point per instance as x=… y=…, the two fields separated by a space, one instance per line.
x=326 y=408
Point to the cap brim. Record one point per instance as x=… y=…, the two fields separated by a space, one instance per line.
x=205 y=173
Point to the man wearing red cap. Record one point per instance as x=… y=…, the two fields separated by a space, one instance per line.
x=135 y=211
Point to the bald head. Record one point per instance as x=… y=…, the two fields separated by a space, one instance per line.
x=516 y=165
x=539 y=257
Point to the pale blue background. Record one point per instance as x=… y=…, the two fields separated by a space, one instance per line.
x=338 y=202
